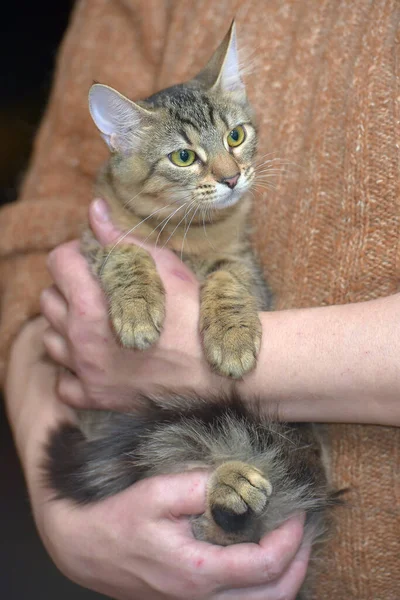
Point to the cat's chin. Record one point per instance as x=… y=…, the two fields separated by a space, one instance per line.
x=229 y=200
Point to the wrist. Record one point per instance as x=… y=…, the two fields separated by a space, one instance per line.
x=330 y=364
x=30 y=401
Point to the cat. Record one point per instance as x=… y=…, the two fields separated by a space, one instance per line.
x=180 y=172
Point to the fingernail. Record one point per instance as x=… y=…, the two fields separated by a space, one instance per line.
x=100 y=210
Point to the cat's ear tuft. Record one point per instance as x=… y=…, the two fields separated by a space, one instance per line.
x=118 y=119
x=223 y=69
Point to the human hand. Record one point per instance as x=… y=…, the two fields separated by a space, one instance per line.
x=137 y=544
x=102 y=374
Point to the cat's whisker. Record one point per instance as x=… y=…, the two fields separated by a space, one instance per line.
x=266 y=178
x=183 y=218
x=263 y=160
x=122 y=237
x=270 y=170
x=262 y=190
x=141 y=243
x=274 y=162
x=130 y=201
x=266 y=166
x=205 y=230
x=187 y=229
x=164 y=222
x=278 y=162
x=264 y=185
x=167 y=221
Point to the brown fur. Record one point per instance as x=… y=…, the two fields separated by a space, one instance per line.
x=147 y=200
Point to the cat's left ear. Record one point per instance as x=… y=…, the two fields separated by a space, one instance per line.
x=222 y=70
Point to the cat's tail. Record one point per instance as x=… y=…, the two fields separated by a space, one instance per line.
x=87 y=470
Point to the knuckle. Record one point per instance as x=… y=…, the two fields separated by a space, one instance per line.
x=77 y=335
x=56 y=258
x=90 y=354
x=88 y=305
x=271 y=568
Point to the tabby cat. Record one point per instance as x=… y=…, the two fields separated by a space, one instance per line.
x=181 y=167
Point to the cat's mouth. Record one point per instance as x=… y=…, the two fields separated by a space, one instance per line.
x=228 y=197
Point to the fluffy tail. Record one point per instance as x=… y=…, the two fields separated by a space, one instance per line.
x=88 y=470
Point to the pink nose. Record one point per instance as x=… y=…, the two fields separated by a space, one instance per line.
x=231 y=181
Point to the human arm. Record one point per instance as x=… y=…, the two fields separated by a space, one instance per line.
x=137 y=544
x=329 y=364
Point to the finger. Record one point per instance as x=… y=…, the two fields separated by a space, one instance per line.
x=70 y=389
x=57 y=348
x=177 y=495
x=291 y=581
x=71 y=273
x=286 y=586
x=256 y=564
x=55 y=309
x=100 y=221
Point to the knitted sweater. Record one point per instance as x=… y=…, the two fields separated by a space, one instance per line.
x=325 y=85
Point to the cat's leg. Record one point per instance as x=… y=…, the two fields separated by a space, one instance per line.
x=237 y=497
x=229 y=322
x=133 y=287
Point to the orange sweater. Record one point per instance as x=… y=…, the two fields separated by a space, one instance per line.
x=325 y=85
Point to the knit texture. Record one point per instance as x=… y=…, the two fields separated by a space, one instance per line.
x=325 y=85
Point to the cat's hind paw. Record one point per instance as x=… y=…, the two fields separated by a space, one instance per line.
x=238 y=493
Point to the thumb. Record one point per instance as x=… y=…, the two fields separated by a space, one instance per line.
x=101 y=223
x=107 y=233
x=179 y=494
x=105 y=230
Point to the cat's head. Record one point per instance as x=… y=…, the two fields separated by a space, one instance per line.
x=191 y=144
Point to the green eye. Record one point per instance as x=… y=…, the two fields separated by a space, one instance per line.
x=236 y=136
x=182 y=158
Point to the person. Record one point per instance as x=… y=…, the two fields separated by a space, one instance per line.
x=324 y=89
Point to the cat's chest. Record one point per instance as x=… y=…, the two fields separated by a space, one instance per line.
x=195 y=243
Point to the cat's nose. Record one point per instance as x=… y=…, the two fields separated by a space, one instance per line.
x=231 y=181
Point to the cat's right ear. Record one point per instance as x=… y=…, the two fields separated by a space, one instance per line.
x=119 y=120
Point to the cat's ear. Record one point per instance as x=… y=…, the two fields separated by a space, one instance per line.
x=119 y=120
x=222 y=70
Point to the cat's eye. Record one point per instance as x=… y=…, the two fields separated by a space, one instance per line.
x=182 y=158
x=236 y=136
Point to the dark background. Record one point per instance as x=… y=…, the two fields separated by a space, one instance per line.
x=30 y=34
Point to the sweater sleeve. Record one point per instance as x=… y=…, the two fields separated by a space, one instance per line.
x=53 y=201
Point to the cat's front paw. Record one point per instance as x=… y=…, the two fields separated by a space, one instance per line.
x=137 y=321
x=135 y=293
x=231 y=349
